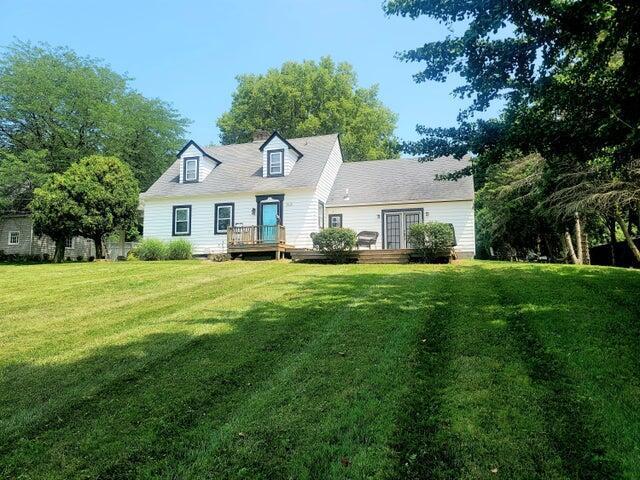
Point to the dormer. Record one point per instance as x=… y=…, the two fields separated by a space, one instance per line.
x=195 y=163
x=278 y=156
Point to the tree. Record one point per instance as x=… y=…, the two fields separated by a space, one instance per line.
x=20 y=174
x=70 y=107
x=567 y=72
x=93 y=197
x=107 y=194
x=309 y=98
x=55 y=213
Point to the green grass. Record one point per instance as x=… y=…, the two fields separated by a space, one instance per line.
x=277 y=370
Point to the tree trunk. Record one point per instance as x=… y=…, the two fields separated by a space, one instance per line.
x=586 y=258
x=58 y=255
x=569 y=243
x=612 y=239
x=579 y=252
x=627 y=237
x=98 y=243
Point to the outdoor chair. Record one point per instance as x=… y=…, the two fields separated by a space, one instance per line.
x=367 y=238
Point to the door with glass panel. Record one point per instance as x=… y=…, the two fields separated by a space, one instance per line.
x=396 y=227
x=269 y=227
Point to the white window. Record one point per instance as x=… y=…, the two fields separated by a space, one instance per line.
x=224 y=217
x=14 y=238
x=191 y=169
x=182 y=220
x=275 y=163
x=68 y=243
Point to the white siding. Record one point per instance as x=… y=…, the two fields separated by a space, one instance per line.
x=299 y=215
x=460 y=214
x=206 y=164
x=290 y=157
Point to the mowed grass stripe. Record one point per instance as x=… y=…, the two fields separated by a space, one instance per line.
x=573 y=415
x=249 y=365
x=356 y=362
x=472 y=411
x=169 y=320
x=151 y=303
x=127 y=286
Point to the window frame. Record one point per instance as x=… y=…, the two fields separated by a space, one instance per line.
x=185 y=161
x=17 y=242
x=321 y=217
x=335 y=215
x=216 y=218
x=70 y=246
x=174 y=230
x=269 y=163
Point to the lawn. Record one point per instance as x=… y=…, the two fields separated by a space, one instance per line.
x=278 y=370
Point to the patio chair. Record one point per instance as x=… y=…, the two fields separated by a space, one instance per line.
x=367 y=238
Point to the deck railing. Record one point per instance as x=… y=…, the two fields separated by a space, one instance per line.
x=256 y=235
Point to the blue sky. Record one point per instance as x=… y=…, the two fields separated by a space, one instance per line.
x=189 y=52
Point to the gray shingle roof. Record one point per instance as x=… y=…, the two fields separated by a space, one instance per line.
x=241 y=170
x=399 y=180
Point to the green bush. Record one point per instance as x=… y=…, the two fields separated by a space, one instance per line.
x=335 y=243
x=151 y=249
x=179 y=249
x=433 y=241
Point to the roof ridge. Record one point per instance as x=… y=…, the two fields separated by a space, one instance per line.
x=260 y=142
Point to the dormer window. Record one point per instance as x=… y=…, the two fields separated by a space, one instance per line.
x=275 y=163
x=191 y=169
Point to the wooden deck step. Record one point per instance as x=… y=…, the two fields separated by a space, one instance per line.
x=361 y=256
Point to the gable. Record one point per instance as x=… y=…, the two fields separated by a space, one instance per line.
x=240 y=169
x=192 y=155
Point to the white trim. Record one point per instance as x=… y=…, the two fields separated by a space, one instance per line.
x=396 y=202
x=187 y=221
x=9 y=242
x=280 y=163
x=187 y=161
x=218 y=218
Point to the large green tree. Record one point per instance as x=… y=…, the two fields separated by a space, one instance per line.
x=67 y=106
x=95 y=196
x=55 y=213
x=566 y=72
x=309 y=98
x=107 y=193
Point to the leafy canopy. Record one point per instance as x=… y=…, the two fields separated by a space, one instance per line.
x=93 y=197
x=107 y=192
x=309 y=98
x=69 y=107
x=567 y=71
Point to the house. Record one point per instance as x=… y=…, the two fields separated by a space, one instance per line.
x=17 y=239
x=272 y=194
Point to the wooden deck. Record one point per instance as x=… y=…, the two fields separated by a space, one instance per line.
x=257 y=239
x=359 y=256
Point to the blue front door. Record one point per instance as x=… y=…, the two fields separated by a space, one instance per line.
x=269 y=222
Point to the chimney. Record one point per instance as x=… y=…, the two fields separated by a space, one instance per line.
x=260 y=135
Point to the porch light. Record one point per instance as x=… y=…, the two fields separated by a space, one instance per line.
x=253 y=211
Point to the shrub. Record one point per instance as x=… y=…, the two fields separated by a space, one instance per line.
x=179 y=249
x=434 y=241
x=335 y=243
x=151 y=249
x=80 y=258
